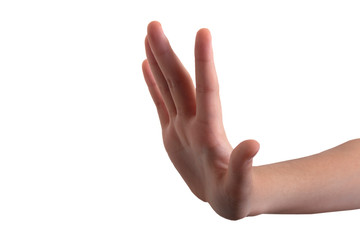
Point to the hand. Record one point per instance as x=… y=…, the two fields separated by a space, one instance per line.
x=192 y=127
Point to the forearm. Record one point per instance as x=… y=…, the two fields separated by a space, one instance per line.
x=324 y=182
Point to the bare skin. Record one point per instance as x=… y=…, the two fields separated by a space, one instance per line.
x=195 y=140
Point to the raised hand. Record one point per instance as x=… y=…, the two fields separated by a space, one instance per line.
x=192 y=126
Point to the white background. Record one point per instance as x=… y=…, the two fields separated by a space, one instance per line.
x=81 y=153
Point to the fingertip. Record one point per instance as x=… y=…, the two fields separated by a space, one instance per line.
x=203 y=37
x=154 y=27
x=147 y=73
x=144 y=64
x=153 y=23
x=148 y=51
x=253 y=145
x=203 y=45
x=250 y=148
x=245 y=151
x=144 y=69
x=147 y=43
x=204 y=33
x=157 y=38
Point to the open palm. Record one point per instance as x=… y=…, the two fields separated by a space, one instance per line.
x=192 y=125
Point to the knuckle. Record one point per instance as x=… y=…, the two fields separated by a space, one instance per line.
x=172 y=82
x=203 y=88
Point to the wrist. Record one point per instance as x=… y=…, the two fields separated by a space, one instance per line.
x=259 y=199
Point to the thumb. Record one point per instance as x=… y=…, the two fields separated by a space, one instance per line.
x=241 y=160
